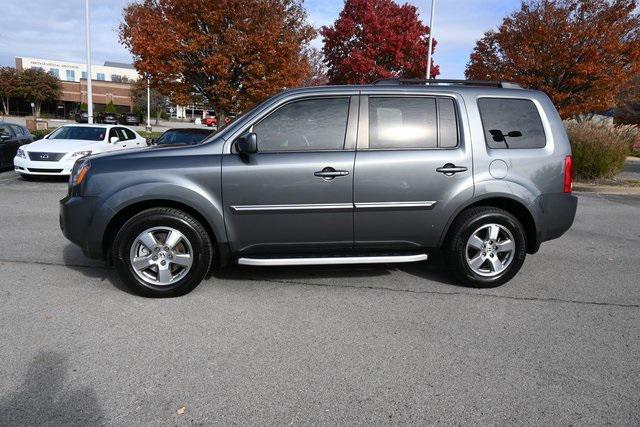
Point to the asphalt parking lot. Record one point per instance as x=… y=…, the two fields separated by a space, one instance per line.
x=559 y=344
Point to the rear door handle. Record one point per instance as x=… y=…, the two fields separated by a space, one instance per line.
x=330 y=173
x=450 y=169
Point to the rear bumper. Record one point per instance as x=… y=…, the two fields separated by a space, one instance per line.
x=76 y=214
x=557 y=214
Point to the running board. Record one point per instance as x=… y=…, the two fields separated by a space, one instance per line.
x=270 y=262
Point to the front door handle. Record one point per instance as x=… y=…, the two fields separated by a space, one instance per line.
x=330 y=173
x=450 y=169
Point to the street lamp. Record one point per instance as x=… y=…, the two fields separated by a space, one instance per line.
x=89 y=91
x=433 y=10
x=148 y=104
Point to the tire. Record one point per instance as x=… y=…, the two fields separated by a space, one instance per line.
x=162 y=270
x=485 y=261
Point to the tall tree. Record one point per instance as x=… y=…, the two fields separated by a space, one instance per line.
x=373 y=39
x=233 y=53
x=8 y=86
x=38 y=86
x=578 y=52
x=157 y=101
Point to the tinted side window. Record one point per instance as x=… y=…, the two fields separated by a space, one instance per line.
x=402 y=123
x=501 y=116
x=447 y=123
x=5 y=130
x=17 y=130
x=129 y=133
x=307 y=125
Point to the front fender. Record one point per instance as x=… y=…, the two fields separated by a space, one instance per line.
x=192 y=196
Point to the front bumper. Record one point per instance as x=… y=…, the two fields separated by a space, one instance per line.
x=76 y=215
x=30 y=167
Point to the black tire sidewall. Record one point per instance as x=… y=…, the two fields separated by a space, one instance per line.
x=464 y=271
x=200 y=245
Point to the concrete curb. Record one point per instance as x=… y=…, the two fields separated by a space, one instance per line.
x=606 y=189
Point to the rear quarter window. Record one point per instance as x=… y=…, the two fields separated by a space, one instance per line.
x=511 y=123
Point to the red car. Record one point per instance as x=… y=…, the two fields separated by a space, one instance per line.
x=210 y=121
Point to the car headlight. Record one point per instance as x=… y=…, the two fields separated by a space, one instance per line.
x=21 y=153
x=78 y=154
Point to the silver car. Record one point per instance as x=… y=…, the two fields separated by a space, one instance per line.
x=383 y=173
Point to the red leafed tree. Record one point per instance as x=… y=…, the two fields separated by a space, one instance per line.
x=579 y=52
x=231 y=54
x=374 y=39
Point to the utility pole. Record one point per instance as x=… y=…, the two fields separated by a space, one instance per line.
x=148 y=103
x=433 y=11
x=89 y=91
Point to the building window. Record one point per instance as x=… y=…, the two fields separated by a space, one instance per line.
x=84 y=75
x=100 y=76
x=71 y=75
x=55 y=72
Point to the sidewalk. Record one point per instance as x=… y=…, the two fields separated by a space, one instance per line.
x=626 y=182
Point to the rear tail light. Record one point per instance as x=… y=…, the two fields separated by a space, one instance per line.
x=568 y=171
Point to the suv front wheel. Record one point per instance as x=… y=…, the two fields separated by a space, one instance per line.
x=487 y=247
x=162 y=252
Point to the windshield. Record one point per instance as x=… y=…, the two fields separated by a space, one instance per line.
x=182 y=137
x=79 y=132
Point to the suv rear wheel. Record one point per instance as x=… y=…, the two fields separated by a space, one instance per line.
x=487 y=247
x=162 y=252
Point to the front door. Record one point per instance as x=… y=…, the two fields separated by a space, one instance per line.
x=412 y=170
x=296 y=192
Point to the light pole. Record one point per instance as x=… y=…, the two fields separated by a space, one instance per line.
x=89 y=91
x=433 y=11
x=148 y=103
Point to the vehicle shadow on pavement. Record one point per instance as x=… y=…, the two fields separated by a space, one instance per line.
x=46 y=396
x=92 y=269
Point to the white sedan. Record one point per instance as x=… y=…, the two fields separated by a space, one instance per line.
x=58 y=151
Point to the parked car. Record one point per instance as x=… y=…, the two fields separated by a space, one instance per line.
x=130 y=119
x=57 y=152
x=210 y=121
x=81 y=116
x=107 y=118
x=12 y=137
x=182 y=136
x=382 y=173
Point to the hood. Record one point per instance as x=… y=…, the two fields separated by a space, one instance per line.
x=62 y=145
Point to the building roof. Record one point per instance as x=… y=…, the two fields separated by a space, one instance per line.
x=119 y=65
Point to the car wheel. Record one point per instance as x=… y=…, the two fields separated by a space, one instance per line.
x=486 y=247
x=162 y=252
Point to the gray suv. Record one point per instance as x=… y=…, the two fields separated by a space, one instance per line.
x=382 y=173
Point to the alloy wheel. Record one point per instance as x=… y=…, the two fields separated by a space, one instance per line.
x=490 y=250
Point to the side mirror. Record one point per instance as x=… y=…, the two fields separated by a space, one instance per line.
x=114 y=139
x=247 y=143
x=151 y=141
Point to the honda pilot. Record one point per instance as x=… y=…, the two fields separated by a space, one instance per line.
x=382 y=173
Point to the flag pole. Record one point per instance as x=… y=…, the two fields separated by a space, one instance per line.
x=89 y=89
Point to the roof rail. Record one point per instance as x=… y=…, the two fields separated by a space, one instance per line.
x=492 y=83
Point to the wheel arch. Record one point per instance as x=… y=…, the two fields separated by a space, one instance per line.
x=514 y=206
x=126 y=212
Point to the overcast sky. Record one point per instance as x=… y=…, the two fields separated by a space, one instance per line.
x=54 y=29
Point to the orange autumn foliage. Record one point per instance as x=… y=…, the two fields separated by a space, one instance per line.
x=231 y=54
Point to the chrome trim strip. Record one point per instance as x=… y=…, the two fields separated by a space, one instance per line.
x=297 y=207
x=270 y=262
x=395 y=205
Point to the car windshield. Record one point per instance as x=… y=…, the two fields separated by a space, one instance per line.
x=79 y=132
x=182 y=137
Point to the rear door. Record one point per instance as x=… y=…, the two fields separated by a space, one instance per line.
x=413 y=167
x=296 y=192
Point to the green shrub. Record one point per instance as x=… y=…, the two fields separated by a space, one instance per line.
x=149 y=135
x=599 y=149
x=110 y=108
x=41 y=133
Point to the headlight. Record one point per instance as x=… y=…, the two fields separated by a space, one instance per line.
x=81 y=154
x=79 y=172
x=20 y=153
